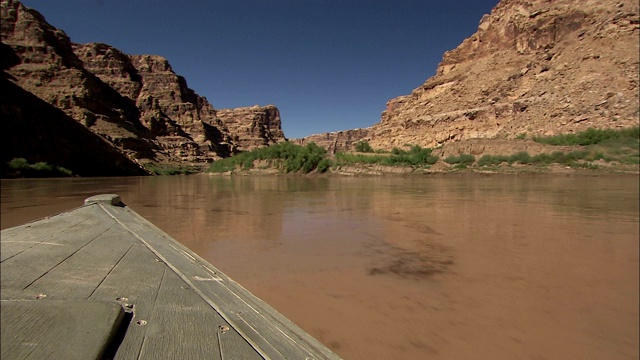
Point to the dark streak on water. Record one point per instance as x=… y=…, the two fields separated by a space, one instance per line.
x=498 y=267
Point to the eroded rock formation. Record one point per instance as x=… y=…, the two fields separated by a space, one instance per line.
x=336 y=141
x=253 y=127
x=183 y=123
x=49 y=69
x=39 y=132
x=135 y=102
x=532 y=68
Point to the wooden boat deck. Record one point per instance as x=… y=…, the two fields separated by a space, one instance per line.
x=100 y=282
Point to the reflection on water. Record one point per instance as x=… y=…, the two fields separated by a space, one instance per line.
x=495 y=267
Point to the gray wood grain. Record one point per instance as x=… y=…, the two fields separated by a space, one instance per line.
x=182 y=325
x=44 y=329
x=233 y=346
x=80 y=274
x=18 y=239
x=19 y=271
x=183 y=307
x=265 y=329
x=135 y=281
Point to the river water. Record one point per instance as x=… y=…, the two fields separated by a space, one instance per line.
x=433 y=267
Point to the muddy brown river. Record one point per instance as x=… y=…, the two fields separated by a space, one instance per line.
x=434 y=267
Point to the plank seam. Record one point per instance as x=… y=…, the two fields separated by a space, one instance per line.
x=197 y=290
x=110 y=271
x=35 y=243
x=222 y=357
x=153 y=306
x=65 y=259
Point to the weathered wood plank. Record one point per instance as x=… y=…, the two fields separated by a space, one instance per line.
x=182 y=325
x=183 y=307
x=135 y=281
x=44 y=329
x=106 y=199
x=185 y=263
x=266 y=329
x=234 y=346
x=81 y=274
x=18 y=239
x=21 y=270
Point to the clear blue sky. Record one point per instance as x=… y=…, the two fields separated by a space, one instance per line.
x=328 y=65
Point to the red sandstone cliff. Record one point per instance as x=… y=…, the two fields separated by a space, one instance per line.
x=135 y=102
x=253 y=127
x=532 y=68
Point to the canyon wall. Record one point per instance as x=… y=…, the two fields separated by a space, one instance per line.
x=532 y=68
x=254 y=126
x=137 y=103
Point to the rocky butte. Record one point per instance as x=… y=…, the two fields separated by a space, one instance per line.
x=136 y=103
x=532 y=68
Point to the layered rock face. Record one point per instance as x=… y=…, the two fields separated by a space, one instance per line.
x=39 y=132
x=336 y=141
x=136 y=102
x=253 y=127
x=183 y=124
x=48 y=68
x=533 y=67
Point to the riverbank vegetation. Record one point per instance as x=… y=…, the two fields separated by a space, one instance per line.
x=284 y=156
x=167 y=169
x=20 y=167
x=592 y=136
x=591 y=149
x=594 y=147
x=417 y=156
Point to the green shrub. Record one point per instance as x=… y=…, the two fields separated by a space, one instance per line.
x=168 y=169
x=542 y=159
x=630 y=159
x=21 y=167
x=492 y=160
x=590 y=136
x=18 y=164
x=220 y=166
x=417 y=156
x=286 y=156
x=467 y=159
x=462 y=159
x=595 y=155
x=521 y=157
x=42 y=166
x=247 y=163
x=363 y=146
x=324 y=165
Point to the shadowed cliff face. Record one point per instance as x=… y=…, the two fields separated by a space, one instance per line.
x=534 y=67
x=49 y=69
x=136 y=102
x=182 y=123
x=39 y=132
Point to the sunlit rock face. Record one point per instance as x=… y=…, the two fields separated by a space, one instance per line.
x=182 y=123
x=533 y=67
x=135 y=102
x=47 y=67
x=336 y=141
x=254 y=126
